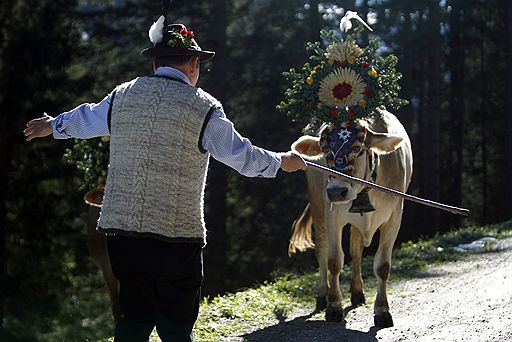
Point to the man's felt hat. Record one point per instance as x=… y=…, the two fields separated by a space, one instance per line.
x=174 y=40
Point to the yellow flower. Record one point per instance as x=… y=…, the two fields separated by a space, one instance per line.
x=372 y=72
x=351 y=59
x=342 y=87
x=341 y=51
x=331 y=60
x=310 y=80
x=362 y=103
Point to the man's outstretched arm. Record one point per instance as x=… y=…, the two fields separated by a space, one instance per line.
x=86 y=121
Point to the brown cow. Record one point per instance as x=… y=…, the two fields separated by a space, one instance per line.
x=328 y=210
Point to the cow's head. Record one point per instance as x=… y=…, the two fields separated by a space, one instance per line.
x=338 y=191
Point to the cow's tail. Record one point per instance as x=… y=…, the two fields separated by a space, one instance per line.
x=302 y=237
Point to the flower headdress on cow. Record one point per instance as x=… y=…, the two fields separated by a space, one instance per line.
x=338 y=86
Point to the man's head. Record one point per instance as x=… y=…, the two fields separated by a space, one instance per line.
x=189 y=65
x=176 y=46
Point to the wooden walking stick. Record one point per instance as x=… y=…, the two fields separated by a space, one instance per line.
x=453 y=210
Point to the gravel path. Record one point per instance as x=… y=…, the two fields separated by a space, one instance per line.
x=469 y=300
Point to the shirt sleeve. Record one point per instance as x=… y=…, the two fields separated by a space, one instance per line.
x=226 y=145
x=88 y=120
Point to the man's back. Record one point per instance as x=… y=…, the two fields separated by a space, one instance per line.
x=157 y=170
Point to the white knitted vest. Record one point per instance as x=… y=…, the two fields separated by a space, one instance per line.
x=157 y=172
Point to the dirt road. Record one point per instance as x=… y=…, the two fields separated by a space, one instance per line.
x=469 y=300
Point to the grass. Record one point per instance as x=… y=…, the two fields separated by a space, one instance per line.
x=272 y=302
x=413 y=257
x=253 y=308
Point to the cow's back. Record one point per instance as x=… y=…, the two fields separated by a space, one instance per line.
x=395 y=169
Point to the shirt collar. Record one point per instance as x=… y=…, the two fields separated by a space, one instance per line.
x=172 y=72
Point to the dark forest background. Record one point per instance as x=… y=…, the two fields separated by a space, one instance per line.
x=455 y=57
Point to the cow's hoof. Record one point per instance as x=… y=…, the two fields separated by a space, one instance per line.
x=321 y=303
x=334 y=314
x=383 y=320
x=357 y=299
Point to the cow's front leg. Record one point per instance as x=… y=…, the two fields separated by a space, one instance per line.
x=356 y=251
x=334 y=311
x=382 y=267
x=321 y=251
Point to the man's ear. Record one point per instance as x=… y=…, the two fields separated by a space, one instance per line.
x=383 y=142
x=308 y=146
x=193 y=63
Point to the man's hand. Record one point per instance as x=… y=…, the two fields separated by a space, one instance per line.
x=38 y=128
x=291 y=162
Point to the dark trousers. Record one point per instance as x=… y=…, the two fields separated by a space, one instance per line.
x=160 y=284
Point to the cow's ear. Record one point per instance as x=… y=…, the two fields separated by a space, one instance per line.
x=307 y=146
x=383 y=142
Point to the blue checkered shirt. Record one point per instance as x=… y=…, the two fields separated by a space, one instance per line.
x=220 y=137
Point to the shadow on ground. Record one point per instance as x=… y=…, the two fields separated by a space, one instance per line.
x=301 y=329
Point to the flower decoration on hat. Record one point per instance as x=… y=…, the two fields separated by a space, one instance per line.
x=343 y=81
x=176 y=37
x=181 y=38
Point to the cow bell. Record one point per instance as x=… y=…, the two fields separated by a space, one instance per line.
x=362 y=203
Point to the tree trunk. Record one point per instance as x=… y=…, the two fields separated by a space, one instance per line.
x=457 y=110
x=4 y=162
x=508 y=108
x=215 y=252
x=431 y=129
x=5 y=146
x=483 y=124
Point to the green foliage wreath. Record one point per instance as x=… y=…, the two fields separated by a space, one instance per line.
x=341 y=82
x=92 y=158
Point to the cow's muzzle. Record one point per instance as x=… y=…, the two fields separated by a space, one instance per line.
x=337 y=194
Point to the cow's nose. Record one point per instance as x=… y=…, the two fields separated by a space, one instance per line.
x=337 y=194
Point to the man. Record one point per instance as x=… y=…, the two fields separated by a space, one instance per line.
x=162 y=130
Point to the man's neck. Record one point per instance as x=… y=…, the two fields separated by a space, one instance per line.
x=166 y=70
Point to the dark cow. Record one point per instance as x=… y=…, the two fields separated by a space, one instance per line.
x=97 y=246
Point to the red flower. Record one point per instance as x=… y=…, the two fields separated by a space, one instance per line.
x=365 y=65
x=306 y=103
x=187 y=34
x=351 y=111
x=339 y=64
x=317 y=68
x=368 y=92
x=334 y=112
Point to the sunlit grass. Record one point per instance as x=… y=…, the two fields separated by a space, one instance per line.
x=412 y=257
